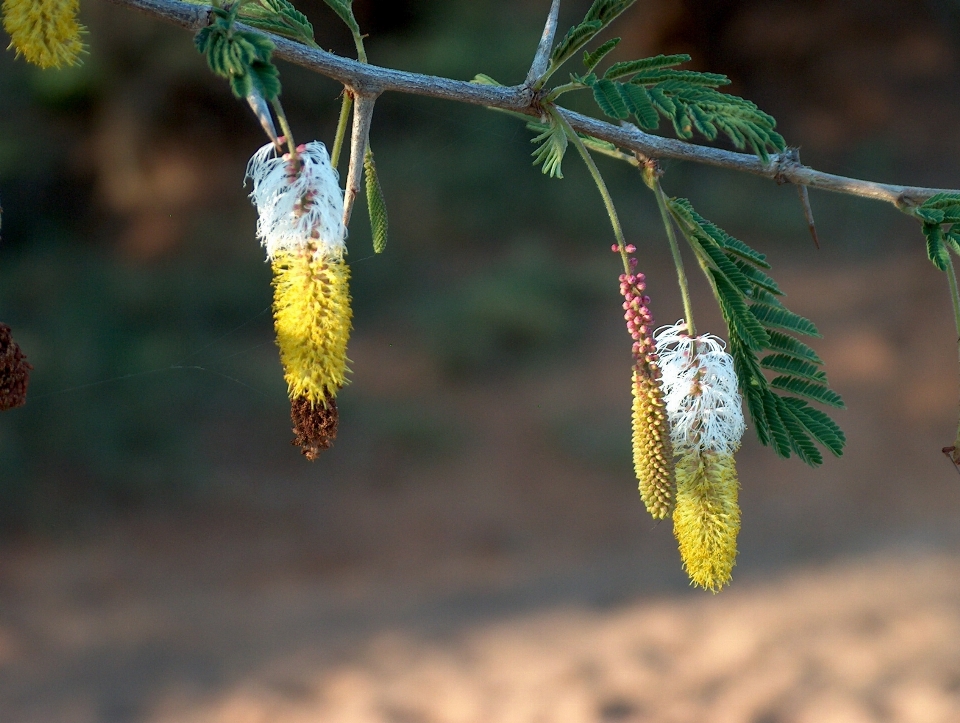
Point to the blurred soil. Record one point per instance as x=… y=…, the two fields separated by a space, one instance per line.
x=510 y=574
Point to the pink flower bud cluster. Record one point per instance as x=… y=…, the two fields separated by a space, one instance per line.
x=636 y=313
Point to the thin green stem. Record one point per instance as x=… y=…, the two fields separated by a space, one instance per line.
x=955 y=298
x=361 y=52
x=677 y=258
x=561 y=89
x=346 y=106
x=287 y=133
x=602 y=187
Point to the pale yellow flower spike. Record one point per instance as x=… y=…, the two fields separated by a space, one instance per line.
x=312 y=316
x=652 y=451
x=45 y=32
x=706 y=519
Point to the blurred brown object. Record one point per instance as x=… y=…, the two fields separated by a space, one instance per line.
x=14 y=372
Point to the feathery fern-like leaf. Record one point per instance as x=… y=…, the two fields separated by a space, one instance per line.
x=591 y=60
x=549 y=154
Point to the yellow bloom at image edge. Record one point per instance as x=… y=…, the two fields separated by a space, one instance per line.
x=313 y=319
x=706 y=519
x=45 y=32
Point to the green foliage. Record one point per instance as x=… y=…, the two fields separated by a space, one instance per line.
x=591 y=60
x=550 y=152
x=606 y=11
x=933 y=214
x=576 y=38
x=610 y=100
x=758 y=322
x=376 y=204
x=240 y=56
x=651 y=87
x=279 y=17
x=599 y=16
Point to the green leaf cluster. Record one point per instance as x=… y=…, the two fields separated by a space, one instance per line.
x=240 y=56
x=652 y=87
x=762 y=338
x=279 y=17
x=551 y=149
x=935 y=213
x=599 y=16
x=376 y=203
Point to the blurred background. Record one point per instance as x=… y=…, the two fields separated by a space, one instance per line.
x=473 y=547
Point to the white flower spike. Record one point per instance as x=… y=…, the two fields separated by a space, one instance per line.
x=296 y=209
x=700 y=391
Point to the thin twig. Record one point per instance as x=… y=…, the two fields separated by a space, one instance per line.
x=359 y=138
x=372 y=80
x=542 y=59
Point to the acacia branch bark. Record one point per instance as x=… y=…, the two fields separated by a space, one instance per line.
x=372 y=80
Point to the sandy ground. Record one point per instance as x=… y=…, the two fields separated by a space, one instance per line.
x=511 y=575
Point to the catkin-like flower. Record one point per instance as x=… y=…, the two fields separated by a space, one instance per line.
x=706 y=420
x=300 y=207
x=45 y=32
x=706 y=520
x=652 y=450
x=312 y=314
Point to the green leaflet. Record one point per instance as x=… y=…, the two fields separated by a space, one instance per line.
x=606 y=11
x=576 y=38
x=786 y=344
x=550 y=152
x=757 y=277
x=818 y=424
x=609 y=99
x=280 y=17
x=936 y=248
x=808 y=389
x=376 y=203
x=632 y=67
x=590 y=60
x=748 y=329
x=683 y=78
x=782 y=318
x=757 y=322
x=484 y=79
x=640 y=106
x=793 y=366
x=800 y=443
x=778 y=430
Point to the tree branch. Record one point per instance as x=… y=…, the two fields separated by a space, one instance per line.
x=359 y=139
x=542 y=59
x=372 y=80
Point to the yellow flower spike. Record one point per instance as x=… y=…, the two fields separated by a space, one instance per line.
x=312 y=317
x=652 y=451
x=45 y=32
x=706 y=519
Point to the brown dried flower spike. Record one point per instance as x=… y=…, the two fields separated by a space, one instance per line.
x=14 y=372
x=315 y=425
